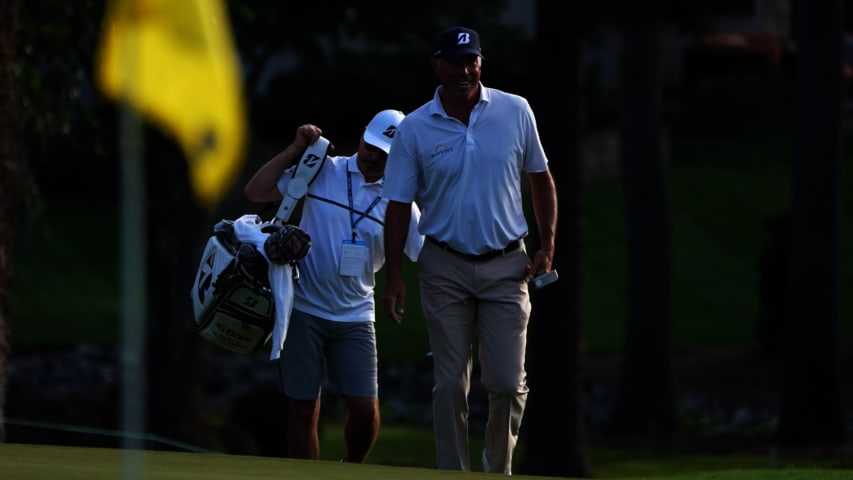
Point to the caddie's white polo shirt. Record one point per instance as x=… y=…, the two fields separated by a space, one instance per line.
x=322 y=291
x=467 y=179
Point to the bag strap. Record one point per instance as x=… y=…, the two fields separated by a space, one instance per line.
x=303 y=176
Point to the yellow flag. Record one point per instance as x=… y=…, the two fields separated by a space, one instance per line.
x=174 y=61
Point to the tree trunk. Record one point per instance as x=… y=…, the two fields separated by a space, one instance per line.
x=811 y=412
x=8 y=192
x=554 y=431
x=645 y=403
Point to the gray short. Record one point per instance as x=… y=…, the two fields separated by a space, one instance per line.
x=344 y=352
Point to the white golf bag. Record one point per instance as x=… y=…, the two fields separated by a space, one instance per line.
x=233 y=302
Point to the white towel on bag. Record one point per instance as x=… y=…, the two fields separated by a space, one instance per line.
x=248 y=230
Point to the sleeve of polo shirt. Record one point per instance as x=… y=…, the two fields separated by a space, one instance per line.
x=284 y=179
x=534 y=154
x=401 y=169
x=415 y=241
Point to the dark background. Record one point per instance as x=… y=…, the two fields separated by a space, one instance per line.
x=724 y=69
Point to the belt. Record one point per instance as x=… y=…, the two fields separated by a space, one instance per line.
x=510 y=247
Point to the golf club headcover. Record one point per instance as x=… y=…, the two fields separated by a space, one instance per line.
x=306 y=171
x=286 y=244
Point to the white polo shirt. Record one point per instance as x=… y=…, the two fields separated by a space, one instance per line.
x=322 y=290
x=467 y=179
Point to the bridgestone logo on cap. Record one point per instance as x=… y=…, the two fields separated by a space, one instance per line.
x=463 y=38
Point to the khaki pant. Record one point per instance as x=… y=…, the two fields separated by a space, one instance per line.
x=461 y=299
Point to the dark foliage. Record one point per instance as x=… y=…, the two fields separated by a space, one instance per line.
x=9 y=169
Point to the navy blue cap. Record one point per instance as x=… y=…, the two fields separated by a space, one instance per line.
x=454 y=42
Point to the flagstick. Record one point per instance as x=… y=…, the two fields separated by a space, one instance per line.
x=133 y=281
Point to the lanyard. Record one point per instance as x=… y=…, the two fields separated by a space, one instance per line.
x=354 y=222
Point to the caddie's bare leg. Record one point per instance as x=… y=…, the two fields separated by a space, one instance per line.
x=362 y=427
x=302 y=437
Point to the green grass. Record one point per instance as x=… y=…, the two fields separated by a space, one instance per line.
x=44 y=462
x=399 y=445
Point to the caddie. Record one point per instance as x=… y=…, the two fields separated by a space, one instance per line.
x=331 y=338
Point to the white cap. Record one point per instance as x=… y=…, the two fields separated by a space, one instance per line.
x=380 y=130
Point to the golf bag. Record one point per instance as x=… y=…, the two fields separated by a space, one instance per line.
x=233 y=302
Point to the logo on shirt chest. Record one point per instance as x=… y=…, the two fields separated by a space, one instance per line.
x=440 y=150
